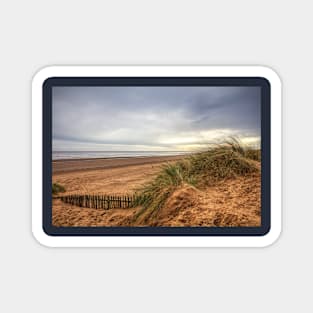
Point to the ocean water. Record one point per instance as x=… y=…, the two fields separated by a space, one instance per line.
x=62 y=155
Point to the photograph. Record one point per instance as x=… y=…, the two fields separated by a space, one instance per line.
x=156 y=156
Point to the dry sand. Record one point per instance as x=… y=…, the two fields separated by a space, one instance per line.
x=235 y=202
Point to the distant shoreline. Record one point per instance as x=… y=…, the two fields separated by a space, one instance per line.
x=120 y=157
x=84 y=155
x=100 y=158
x=90 y=164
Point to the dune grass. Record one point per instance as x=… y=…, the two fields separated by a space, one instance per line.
x=56 y=188
x=223 y=161
x=253 y=154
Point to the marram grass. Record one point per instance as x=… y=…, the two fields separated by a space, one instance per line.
x=223 y=161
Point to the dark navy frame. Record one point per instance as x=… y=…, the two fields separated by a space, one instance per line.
x=158 y=231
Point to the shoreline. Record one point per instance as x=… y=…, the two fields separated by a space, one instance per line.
x=122 y=157
x=63 y=166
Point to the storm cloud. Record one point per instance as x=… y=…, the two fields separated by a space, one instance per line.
x=153 y=118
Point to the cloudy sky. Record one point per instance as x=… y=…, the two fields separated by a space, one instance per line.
x=153 y=118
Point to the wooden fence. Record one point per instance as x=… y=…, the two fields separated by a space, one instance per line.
x=99 y=201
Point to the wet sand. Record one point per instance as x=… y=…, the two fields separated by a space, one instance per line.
x=71 y=165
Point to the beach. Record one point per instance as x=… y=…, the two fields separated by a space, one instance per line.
x=234 y=202
x=116 y=176
x=108 y=176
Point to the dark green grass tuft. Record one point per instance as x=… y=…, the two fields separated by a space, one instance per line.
x=56 y=188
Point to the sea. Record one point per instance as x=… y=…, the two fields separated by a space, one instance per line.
x=64 y=155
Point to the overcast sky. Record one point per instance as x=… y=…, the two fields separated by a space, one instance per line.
x=153 y=118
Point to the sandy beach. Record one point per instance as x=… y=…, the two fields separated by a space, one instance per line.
x=101 y=176
x=235 y=202
x=115 y=175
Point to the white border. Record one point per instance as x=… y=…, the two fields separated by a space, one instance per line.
x=161 y=241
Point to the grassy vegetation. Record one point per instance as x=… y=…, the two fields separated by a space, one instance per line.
x=223 y=161
x=56 y=188
x=253 y=154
